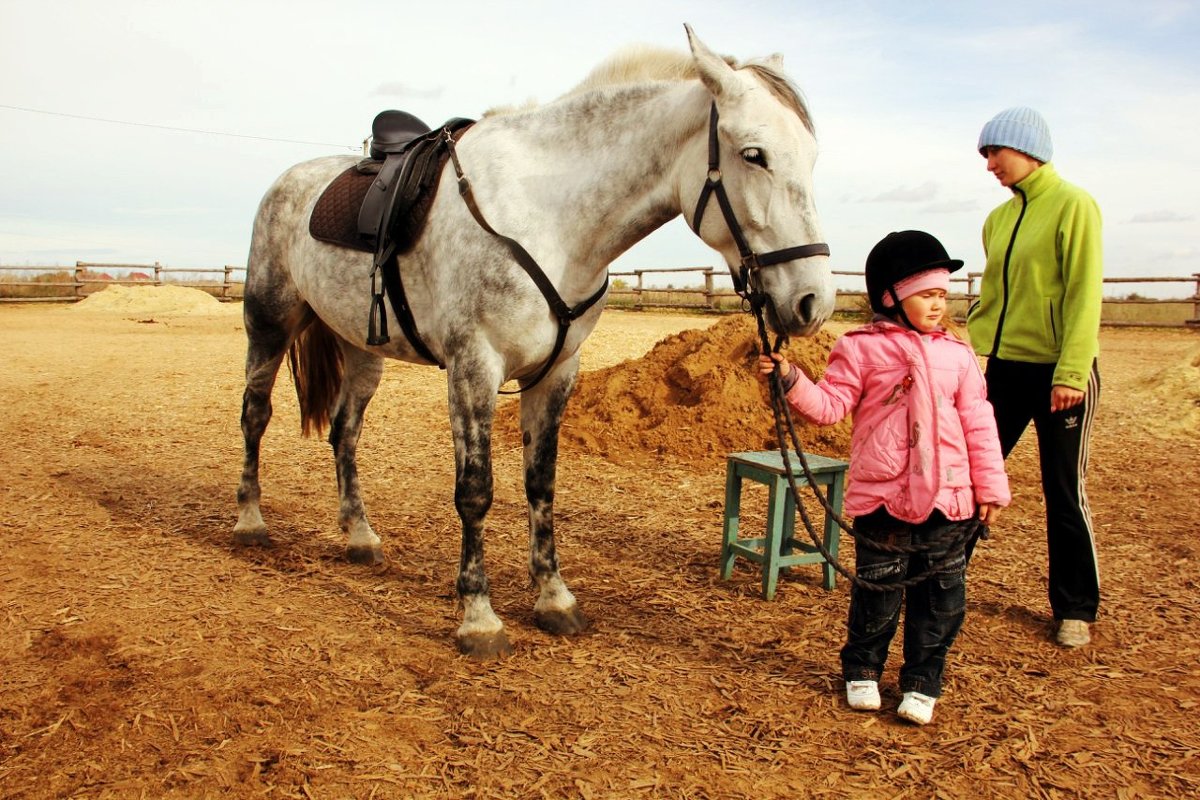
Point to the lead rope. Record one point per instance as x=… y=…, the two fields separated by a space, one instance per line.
x=938 y=549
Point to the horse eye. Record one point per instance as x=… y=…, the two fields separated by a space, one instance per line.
x=752 y=155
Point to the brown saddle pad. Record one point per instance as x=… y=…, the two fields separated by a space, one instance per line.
x=335 y=217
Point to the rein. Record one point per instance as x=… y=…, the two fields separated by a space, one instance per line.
x=562 y=312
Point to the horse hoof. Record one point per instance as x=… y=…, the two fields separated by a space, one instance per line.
x=562 y=623
x=367 y=556
x=484 y=646
x=252 y=538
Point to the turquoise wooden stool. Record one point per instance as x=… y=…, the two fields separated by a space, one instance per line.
x=778 y=548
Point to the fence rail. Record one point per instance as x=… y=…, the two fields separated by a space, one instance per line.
x=86 y=277
x=711 y=298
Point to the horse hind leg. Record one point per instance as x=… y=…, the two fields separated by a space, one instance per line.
x=268 y=337
x=556 y=610
x=363 y=372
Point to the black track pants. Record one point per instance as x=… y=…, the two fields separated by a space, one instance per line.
x=1020 y=393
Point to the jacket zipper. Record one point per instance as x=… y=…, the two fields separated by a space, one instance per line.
x=1007 y=258
x=935 y=446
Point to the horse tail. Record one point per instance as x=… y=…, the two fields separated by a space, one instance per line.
x=316 y=362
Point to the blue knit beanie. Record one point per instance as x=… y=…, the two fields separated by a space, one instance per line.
x=1020 y=128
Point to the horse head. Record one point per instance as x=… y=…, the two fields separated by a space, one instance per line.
x=761 y=152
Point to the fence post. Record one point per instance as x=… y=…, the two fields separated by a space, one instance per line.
x=77 y=289
x=639 y=289
x=1195 y=320
x=157 y=274
x=709 y=300
x=225 y=285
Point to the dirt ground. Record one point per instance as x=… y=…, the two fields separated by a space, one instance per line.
x=142 y=654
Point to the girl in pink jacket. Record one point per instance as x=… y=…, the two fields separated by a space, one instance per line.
x=925 y=466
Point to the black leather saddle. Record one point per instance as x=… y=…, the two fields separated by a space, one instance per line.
x=380 y=204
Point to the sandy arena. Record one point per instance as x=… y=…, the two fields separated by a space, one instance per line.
x=142 y=654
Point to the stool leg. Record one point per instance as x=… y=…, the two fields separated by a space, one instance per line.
x=833 y=531
x=776 y=498
x=788 y=541
x=733 y=512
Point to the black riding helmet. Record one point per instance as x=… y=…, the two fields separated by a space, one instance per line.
x=900 y=255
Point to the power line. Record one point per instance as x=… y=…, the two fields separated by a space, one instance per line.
x=171 y=128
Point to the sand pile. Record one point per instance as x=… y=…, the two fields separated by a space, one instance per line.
x=693 y=398
x=162 y=300
x=1173 y=394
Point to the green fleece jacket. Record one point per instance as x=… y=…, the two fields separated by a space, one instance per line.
x=1039 y=300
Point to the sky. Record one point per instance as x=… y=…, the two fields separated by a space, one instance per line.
x=138 y=132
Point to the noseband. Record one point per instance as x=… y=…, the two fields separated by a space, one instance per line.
x=751 y=261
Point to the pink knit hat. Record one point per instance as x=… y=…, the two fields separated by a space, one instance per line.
x=928 y=279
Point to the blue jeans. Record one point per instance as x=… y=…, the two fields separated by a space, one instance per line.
x=933 y=608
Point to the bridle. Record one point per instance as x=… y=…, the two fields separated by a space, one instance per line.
x=744 y=280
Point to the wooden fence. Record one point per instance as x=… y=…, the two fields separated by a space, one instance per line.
x=86 y=278
x=711 y=298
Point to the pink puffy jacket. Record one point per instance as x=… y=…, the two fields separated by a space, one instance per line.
x=924 y=433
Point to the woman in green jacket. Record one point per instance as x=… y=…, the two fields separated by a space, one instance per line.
x=1038 y=322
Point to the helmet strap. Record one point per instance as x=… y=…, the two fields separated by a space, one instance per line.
x=900 y=315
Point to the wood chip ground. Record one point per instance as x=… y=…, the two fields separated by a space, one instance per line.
x=142 y=654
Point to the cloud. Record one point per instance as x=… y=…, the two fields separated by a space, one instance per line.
x=398 y=89
x=164 y=211
x=1161 y=216
x=953 y=206
x=910 y=194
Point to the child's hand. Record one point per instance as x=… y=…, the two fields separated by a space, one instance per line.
x=988 y=513
x=767 y=362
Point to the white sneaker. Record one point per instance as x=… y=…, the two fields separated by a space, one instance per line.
x=1073 y=633
x=863 y=695
x=916 y=707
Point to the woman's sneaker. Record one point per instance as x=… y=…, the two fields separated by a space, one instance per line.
x=1073 y=633
x=863 y=695
x=916 y=707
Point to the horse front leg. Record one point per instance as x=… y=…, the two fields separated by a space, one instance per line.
x=472 y=408
x=362 y=376
x=541 y=417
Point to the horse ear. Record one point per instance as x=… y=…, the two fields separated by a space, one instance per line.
x=774 y=61
x=715 y=72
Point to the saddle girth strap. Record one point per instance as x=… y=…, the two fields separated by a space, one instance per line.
x=562 y=312
x=394 y=286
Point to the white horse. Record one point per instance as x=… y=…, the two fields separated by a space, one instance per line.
x=576 y=182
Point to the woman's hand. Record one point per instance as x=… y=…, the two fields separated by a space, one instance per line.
x=1064 y=397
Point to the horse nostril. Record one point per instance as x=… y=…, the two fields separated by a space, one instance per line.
x=804 y=308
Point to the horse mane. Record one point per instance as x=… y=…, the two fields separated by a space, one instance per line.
x=783 y=89
x=643 y=63
x=638 y=63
